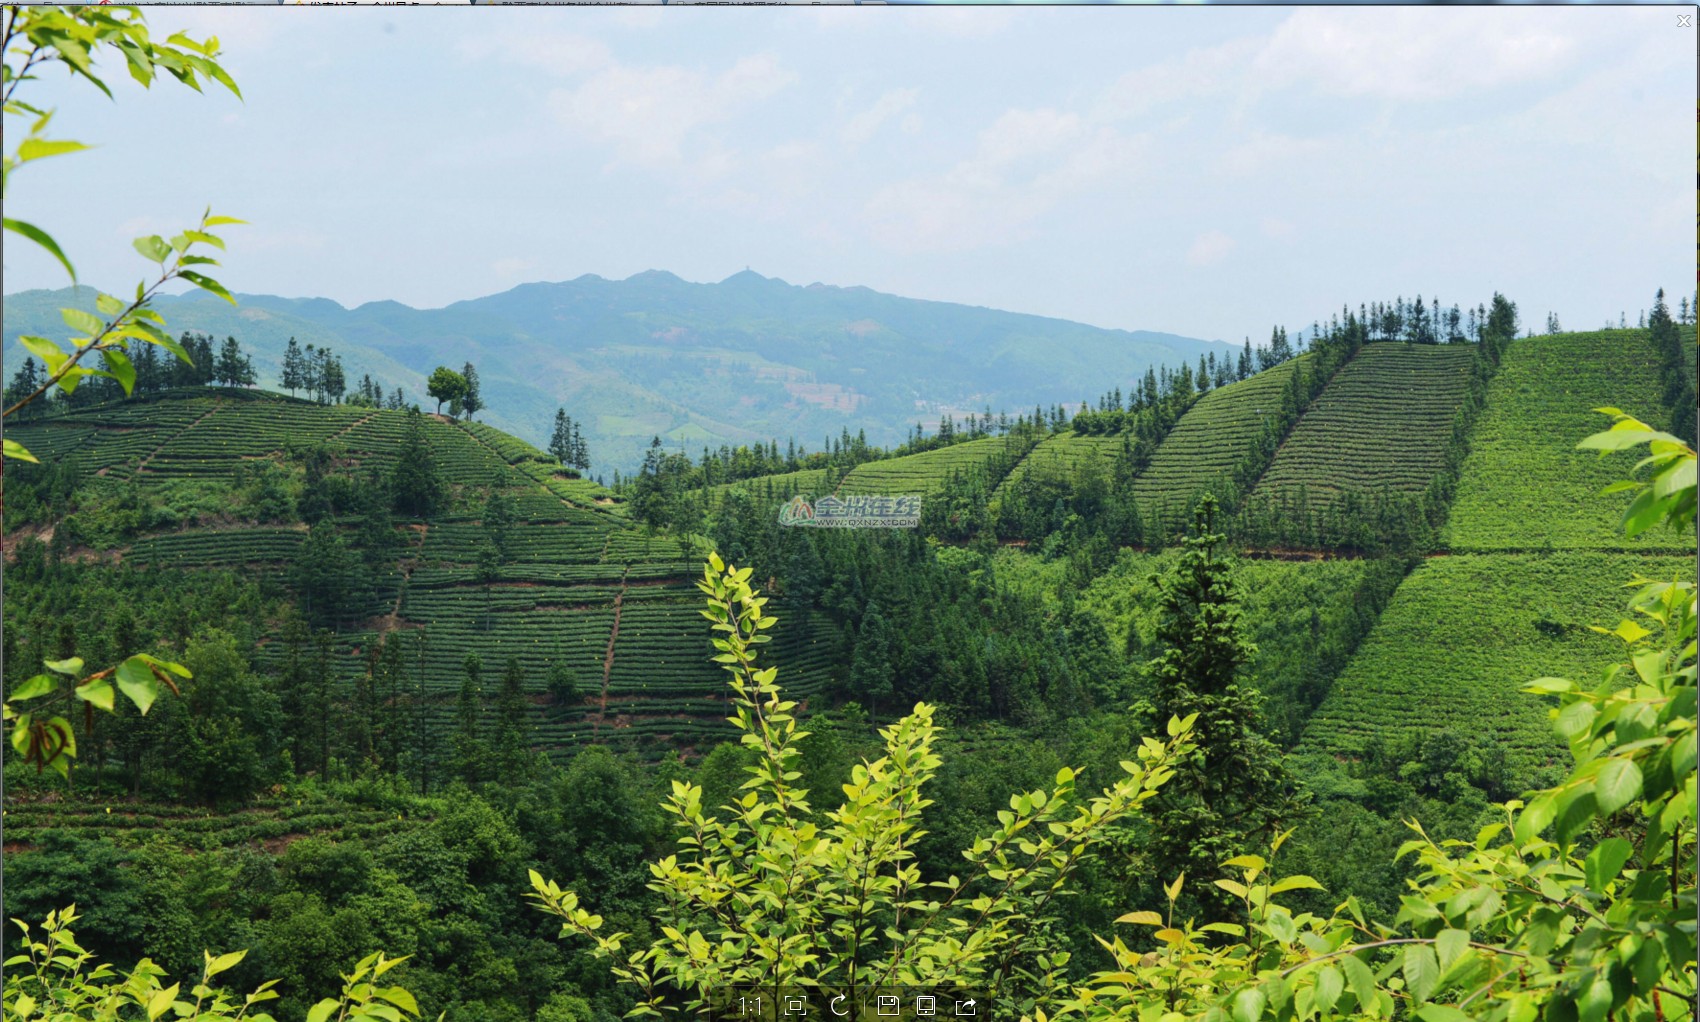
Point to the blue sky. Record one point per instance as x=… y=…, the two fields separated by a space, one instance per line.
x=1201 y=170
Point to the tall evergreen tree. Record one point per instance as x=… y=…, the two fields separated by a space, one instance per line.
x=294 y=372
x=511 y=743
x=471 y=400
x=871 y=674
x=469 y=750
x=560 y=441
x=1233 y=793
x=414 y=484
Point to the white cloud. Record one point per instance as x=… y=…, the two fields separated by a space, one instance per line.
x=510 y=266
x=862 y=127
x=1024 y=164
x=563 y=54
x=1209 y=248
x=648 y=113
x=1200 y=72
x=1410 y=53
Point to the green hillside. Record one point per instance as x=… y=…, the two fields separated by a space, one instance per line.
x=808 y=482
x=1210 y=440
x=1464 y=634
x=579 y=585
x=1385 y=420
x=1065 y=455
x=928 y=471
x=1525 y=486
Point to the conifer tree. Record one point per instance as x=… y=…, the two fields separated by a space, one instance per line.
x=294 y=373
x=511 y=744
x=1233 y=792
x=414 y=484
x=471 y=400
x=469 y=751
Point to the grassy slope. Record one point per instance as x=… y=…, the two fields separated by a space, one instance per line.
x=570 y=557
x=1525 y=486
x=1464 y=634
x=1384 y=420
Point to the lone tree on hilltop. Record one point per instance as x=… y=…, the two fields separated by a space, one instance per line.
x=445 y=385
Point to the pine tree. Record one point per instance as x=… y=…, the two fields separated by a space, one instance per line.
x=414 y=485
x=560 y=441
x=294 y=368
x=469 y=751
x=1234 y=792
x=228 y=369
x=511 y=744
x=471 y=400
x=871 y=672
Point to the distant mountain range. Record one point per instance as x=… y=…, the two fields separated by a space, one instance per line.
x=749 y=358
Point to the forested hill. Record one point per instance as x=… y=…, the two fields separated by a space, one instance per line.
x=749 y=358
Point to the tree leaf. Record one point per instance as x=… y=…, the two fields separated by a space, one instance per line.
x=1618 y=784
x=1422 y=971
x=97 y=691
x=1605 y=862
x=41 y=148
x=136 y=680
x=1329 y=983
x=34 y=688
x=1142 y=918
x=152 y=247
x=42 y=238
x=70 y=665
x=15 y=451
x=321 y=1011
x=1449 y=945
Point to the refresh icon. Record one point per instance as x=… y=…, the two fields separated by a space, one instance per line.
x=833 y=1006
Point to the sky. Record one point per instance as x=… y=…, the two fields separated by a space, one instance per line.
x=1207 y=171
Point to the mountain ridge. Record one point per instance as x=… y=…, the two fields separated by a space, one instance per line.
x=745 y=359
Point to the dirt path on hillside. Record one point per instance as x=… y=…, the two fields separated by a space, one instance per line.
x=608 y=659
x=143 y=464
x=343 y=431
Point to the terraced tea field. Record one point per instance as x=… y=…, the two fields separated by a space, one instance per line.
x=1462 y=636
x=1208 y=442
x=1525 y=486
x=922 y=473
x=1064 y=456
x=579 y=585
x=1385 y=420
x=130 y=824
x=777 y=488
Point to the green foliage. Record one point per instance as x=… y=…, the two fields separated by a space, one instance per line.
x=446 y=385
x=54 y=978
x=815 y=893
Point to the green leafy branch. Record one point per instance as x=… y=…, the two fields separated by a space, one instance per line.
x=770 y=893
